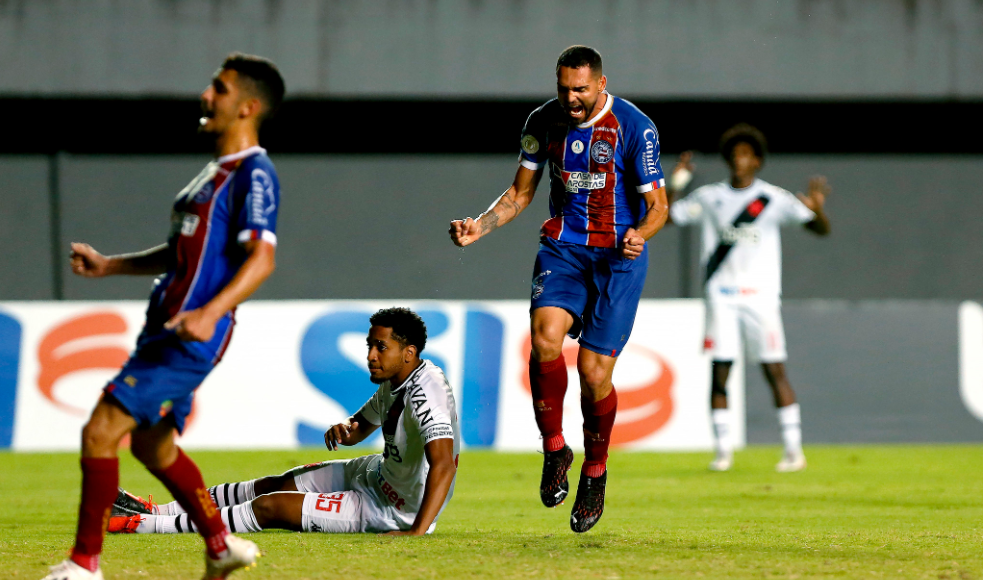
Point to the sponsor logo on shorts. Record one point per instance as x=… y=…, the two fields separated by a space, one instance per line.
x=529 y=144
x=130 y=380
x=165 y=408
x=583 y=180
x=538 y=284
x=601 y=152
x=577 y=147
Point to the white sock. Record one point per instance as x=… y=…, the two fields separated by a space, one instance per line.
x=790 y=422
x=721 y=428
x=224 y=494
x=148 y=525
x=180 y=524
x=240 y=518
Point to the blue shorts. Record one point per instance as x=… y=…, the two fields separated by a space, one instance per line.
x=599 y=287
x=159 y=380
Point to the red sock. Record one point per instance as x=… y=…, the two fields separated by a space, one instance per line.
x=183 y=480
x=100 y=478
x=548 y=382
x=598 y=423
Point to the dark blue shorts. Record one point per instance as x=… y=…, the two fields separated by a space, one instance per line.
x=599 y=287
x=159 y=380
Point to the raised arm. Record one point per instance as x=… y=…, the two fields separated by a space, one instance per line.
x=352 y=432
x=816 y=201
x=89 y=263
x=440 y=456
x=199 y=324
x=679 y=178
x=510 y=204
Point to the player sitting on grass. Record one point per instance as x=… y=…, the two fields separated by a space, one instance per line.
x=400 y=491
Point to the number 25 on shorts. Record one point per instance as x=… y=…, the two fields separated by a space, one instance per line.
x=333 y=502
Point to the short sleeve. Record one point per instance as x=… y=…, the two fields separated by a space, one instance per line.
x=686 y=211
x=532 y=143
x=642 y=154
x=258 y=211
x=372 y=409
x=793 y=210
x=431 y=413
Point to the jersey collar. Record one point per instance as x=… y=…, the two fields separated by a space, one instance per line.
x=241 y=155
x=409 y=379
x=604 y=111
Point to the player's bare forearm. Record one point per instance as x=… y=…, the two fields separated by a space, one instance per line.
x=505 y=209
x=820 y=225
x=656 y=214
x=259 y=265
x=440 y=456
x=87 y=262
x=352 y=432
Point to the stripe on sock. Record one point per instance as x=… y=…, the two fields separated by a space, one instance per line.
x=235 y=493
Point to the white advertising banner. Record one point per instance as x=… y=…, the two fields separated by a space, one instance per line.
x=296 y=367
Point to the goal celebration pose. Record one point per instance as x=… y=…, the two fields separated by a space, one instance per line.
x=741 y=255
x=401 y=491
x=220 y=250
x=607 y=197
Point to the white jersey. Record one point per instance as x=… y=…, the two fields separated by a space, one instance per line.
x=421 y=410
x=741 y=242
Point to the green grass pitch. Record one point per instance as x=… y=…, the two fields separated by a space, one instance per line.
x=856 y=512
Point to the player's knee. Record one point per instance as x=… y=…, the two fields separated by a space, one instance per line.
x=593 y=377
x=546 y=347
x=265 y=509
x=96 y=438
x=274 y=483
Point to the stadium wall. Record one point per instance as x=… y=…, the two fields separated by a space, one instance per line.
x=374 y=226
x=440 y=48
x=865 y=372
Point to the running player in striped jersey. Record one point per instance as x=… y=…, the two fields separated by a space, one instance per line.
x=740 y=223
x=220 y=250
x=607 y=198
x=401 y=491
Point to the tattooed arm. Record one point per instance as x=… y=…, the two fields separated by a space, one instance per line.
x=656 y=212
x=510 y=204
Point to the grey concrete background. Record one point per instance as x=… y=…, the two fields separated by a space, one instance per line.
x=869 y=372
x=656 y=48
x=904 y=227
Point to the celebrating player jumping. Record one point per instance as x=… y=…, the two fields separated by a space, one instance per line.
x=607 y=197
x=741 y=256
x=400 y=491
x=220 y=250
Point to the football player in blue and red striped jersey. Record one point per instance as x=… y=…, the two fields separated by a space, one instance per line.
x=220 y=250
x=607 y=198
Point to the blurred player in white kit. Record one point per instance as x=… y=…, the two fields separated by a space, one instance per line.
x=741 y=257
x=401 y=491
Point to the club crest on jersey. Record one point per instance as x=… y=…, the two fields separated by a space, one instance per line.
x=529 y=144
x=601 y=152
x=583 y=180
x=577 y=147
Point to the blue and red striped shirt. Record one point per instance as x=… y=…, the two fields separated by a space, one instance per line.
x=233 y=200
x=598 y=169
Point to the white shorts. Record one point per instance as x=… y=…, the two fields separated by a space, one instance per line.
x=339 y=498
x=758 y=319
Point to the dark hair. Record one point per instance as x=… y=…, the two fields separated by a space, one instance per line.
x=408 y=327
x=743 y=133
x=265 y=76
x=579 y=55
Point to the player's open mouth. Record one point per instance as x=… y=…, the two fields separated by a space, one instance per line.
x=575 y=111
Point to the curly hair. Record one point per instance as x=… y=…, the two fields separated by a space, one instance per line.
x=743 y=133
x=407 y=326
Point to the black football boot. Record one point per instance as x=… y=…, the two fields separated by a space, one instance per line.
x=554 y=487
x=589 y=506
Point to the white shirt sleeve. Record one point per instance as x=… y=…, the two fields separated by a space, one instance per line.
x=793 y=210
x=372 y=409
x=687 y=210
x=429 y=410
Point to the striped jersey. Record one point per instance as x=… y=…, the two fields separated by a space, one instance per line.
x=232 y=201
x=597 y=169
